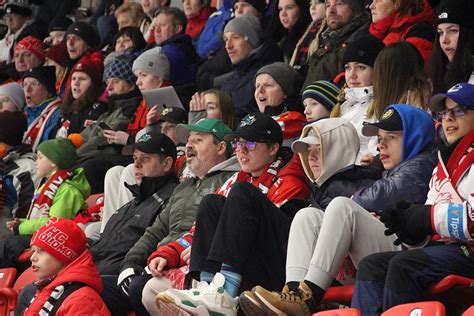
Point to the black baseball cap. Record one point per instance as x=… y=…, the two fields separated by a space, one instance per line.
x=174 y=115
x=258 y=127
x=152 y=142
x=391 y=121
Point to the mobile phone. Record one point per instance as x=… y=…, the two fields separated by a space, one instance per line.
x=104 y=125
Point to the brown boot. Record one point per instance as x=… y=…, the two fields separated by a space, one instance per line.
x=299 y=302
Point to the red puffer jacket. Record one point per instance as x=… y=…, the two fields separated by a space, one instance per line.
x=84 y=301
x=417 y=30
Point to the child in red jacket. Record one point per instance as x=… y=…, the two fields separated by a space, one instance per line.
x=68 y=282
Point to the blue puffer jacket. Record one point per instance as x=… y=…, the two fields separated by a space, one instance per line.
x=410 y=179
x=182 y=56
x=406 y=182
x=210 y=40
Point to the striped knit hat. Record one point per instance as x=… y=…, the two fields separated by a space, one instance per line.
x=324 y=92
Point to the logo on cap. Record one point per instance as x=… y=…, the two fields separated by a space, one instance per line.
x=443 y=15
x=144 y=138
x=166 y=111
x=455 y=88
x=248 y=120
x=387 y=114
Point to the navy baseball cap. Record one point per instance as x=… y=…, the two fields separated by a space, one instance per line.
x=461 y=93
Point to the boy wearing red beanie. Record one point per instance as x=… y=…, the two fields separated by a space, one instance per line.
x=68 y=282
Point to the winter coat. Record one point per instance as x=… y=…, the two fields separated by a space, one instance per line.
x=18 y=173
x=52 y=122
x=181 y=54
x=121 y=110
x=180 y=213
x=210 y=40
x=325 y=62
x=417 y=30
x=452 y=193
x=77 y=122
x=67 y=202
x=240 y=85
x=409 y=180
x=354 y=109
x=212 y=72
x=339 y=175
x=129 y=222
x=197 y=23
x=84 y=301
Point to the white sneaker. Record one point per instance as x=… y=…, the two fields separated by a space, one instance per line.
x=212 y=297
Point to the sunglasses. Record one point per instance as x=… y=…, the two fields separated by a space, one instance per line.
x=456 y=112
x=247 y=144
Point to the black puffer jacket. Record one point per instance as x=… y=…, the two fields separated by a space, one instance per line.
x=129 y=222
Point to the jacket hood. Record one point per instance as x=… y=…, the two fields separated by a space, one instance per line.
x=230 y=164
x=418 y=130
x=80 y=182
x=81 y=270
x=339 y=147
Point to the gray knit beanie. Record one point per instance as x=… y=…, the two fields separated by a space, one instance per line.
x=247 y=26
x=283 y=74
x=155 y=62
x=15 y=93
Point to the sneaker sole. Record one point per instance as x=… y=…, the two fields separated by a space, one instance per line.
x=250 y=306
x=268 y=308
x=170 y=307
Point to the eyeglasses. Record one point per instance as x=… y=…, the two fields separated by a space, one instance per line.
x=456 y=112
x=247 y=144
x=5 y=101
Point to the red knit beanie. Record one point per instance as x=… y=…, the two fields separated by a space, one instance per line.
x=61 y=238
x=58 y=53
x=33 y=45
x=92 y=64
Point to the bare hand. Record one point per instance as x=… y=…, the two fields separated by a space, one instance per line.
x=186 y=255
x=157 y=265
x=197 y=102
x=153 y=116
x=12 y=224
x=366 y=160
x=116 y=137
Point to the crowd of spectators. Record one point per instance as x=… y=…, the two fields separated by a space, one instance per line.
x=311 y=144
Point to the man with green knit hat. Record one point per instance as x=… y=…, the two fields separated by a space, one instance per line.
x=61 y=193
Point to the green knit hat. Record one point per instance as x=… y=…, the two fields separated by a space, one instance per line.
x=60 y=151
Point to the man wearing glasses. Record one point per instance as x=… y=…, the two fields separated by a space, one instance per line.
x=241 y=231
x=401 y=277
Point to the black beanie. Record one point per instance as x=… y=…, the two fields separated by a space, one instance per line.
x=44 y=74
x=363 y=50
x=60 y=23
x=457 y=12
x=259 y=5
x=85 y=31
x=12 y=127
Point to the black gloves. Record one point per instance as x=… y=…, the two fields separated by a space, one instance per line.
x=411 y=223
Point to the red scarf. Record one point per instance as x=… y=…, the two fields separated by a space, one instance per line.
x=44 y=199
x=461 y=159
x=264 y=182
x=35 y=130
x=138 y=120
x=381 y=28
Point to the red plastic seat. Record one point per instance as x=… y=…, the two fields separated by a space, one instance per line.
x=9 y=296
x=431 y=308
x=339 y=312
x=342 y=294
x=469 y=311
x=25 y=256
x=7 y=277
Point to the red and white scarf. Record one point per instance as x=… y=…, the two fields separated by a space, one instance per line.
x=35 y=130
x=264 y=182
x=43 y=199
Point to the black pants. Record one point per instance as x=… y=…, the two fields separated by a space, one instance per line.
x=244 y=230
x=96 y=168
x=388 y=279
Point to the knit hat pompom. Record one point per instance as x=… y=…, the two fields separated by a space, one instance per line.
x=60 y=151
x=76 y=139
x=3 y=150
x=61 y=238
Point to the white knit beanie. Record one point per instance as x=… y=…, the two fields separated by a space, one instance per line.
x=15 y=93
